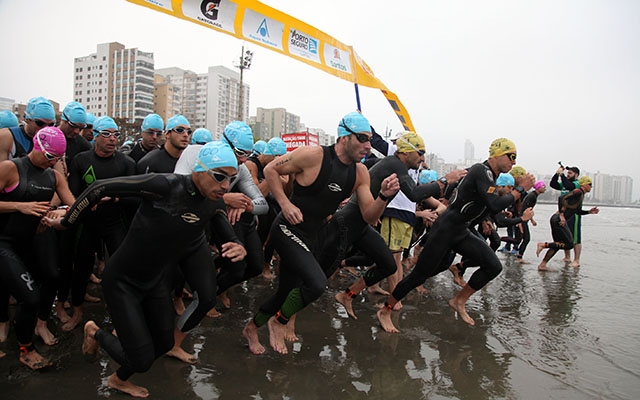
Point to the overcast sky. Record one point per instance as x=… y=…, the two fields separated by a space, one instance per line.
x=559 y=78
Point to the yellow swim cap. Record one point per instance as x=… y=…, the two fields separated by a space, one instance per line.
x=585 y=180
x=518 y=171
x=500 y=147
x=410 y=141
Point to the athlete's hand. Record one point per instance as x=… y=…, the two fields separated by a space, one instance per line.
x=237 y=200
x=562 y=220
x=35 y=208
x=390 y=185
x=454 y=176
x=526 y=181
x=234 y=214
x=233 y=251
x=594 y=210
x=292 y=214
x=527 y=214
x=55 y=223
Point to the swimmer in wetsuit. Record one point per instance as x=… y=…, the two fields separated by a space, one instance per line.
x=135 y=284
x=569 y=205
x=27 y=186
x=324 y=177
x=475 y=196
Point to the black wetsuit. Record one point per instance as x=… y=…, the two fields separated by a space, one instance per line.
x=302 y=279
x=530 y=201
x=158 y=161
x=347 y=227
x=167 y=230
x=106 y=224
x=569 y=205
x=475 y=196
x=22 y=258
x=138 y=152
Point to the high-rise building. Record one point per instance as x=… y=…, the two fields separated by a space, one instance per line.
x=184 y=83
x=278 y=120
x=115 y=81
x=166 y=99
x=469 y=151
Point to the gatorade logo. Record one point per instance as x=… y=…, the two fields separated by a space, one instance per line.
x=89 y=176
x=190 y=218
x=209 y=9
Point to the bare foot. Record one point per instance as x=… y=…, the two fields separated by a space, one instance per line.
x=290 y=334
x=457 y=275
x=397 y=306
x=34 y=360
x=539 y=248
x=186 y=294
x=73 y=321
x=347 y=302
x=522 y=261
x=178 y=306
x=127 y=387
x=574 y=264
x=277 y=332
x=266 y=272
x=224 y=299
x=90 y=344
x=250 y=332
x=543 y=266
x=461 y=310
x=61 y=313
x=353 y=271
x=377 y=290
x=566 y=260
x=43 y=331
x=384 y=317
x=422 y=290
x=4 y=331
x=91 y=299
x=213 y=313
x=180 y=354
x=94 y=279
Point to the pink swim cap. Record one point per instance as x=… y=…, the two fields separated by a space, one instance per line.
x=51 y=140
x=539 y=184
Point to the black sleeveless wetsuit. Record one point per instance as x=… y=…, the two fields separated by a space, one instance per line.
x=20 y=255
x=302 y=279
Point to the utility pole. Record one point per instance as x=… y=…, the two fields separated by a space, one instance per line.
x=245 y=63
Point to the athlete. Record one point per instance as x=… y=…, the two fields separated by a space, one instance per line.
x=164 y=160
x=569 y=205
x=475 y=195
x=28 y=273
x=530 y=201
x=152 y=131
x=135 y=282
x=17 y=141
x=565 y=180
x=324 y=177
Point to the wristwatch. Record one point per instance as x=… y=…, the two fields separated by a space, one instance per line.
x=383 y=197
x=520 y=190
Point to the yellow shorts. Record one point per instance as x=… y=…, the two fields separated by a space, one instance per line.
x=396 y=233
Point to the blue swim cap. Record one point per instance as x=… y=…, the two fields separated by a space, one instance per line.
x=427 y=175
x=275 y=147
x=102 y=123
x=239 y=134
x=355 y=122
x=215 y=155
x=259 y=147
x=177 y=120
x=90 y=119
x=505 y=179
x=201 y=136
x=75 y=113
x=8 y=119
x=153 y=121
x=40 y=108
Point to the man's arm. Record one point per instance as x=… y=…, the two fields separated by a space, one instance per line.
x=370 y=208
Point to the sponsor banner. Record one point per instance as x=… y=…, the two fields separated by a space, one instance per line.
x=258 y=23
x=299 y=139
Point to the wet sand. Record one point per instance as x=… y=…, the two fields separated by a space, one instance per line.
x=555 y=335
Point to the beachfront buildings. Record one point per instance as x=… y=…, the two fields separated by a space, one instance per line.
x=115 y=81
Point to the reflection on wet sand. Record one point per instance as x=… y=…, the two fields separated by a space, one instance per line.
x=531 y=340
